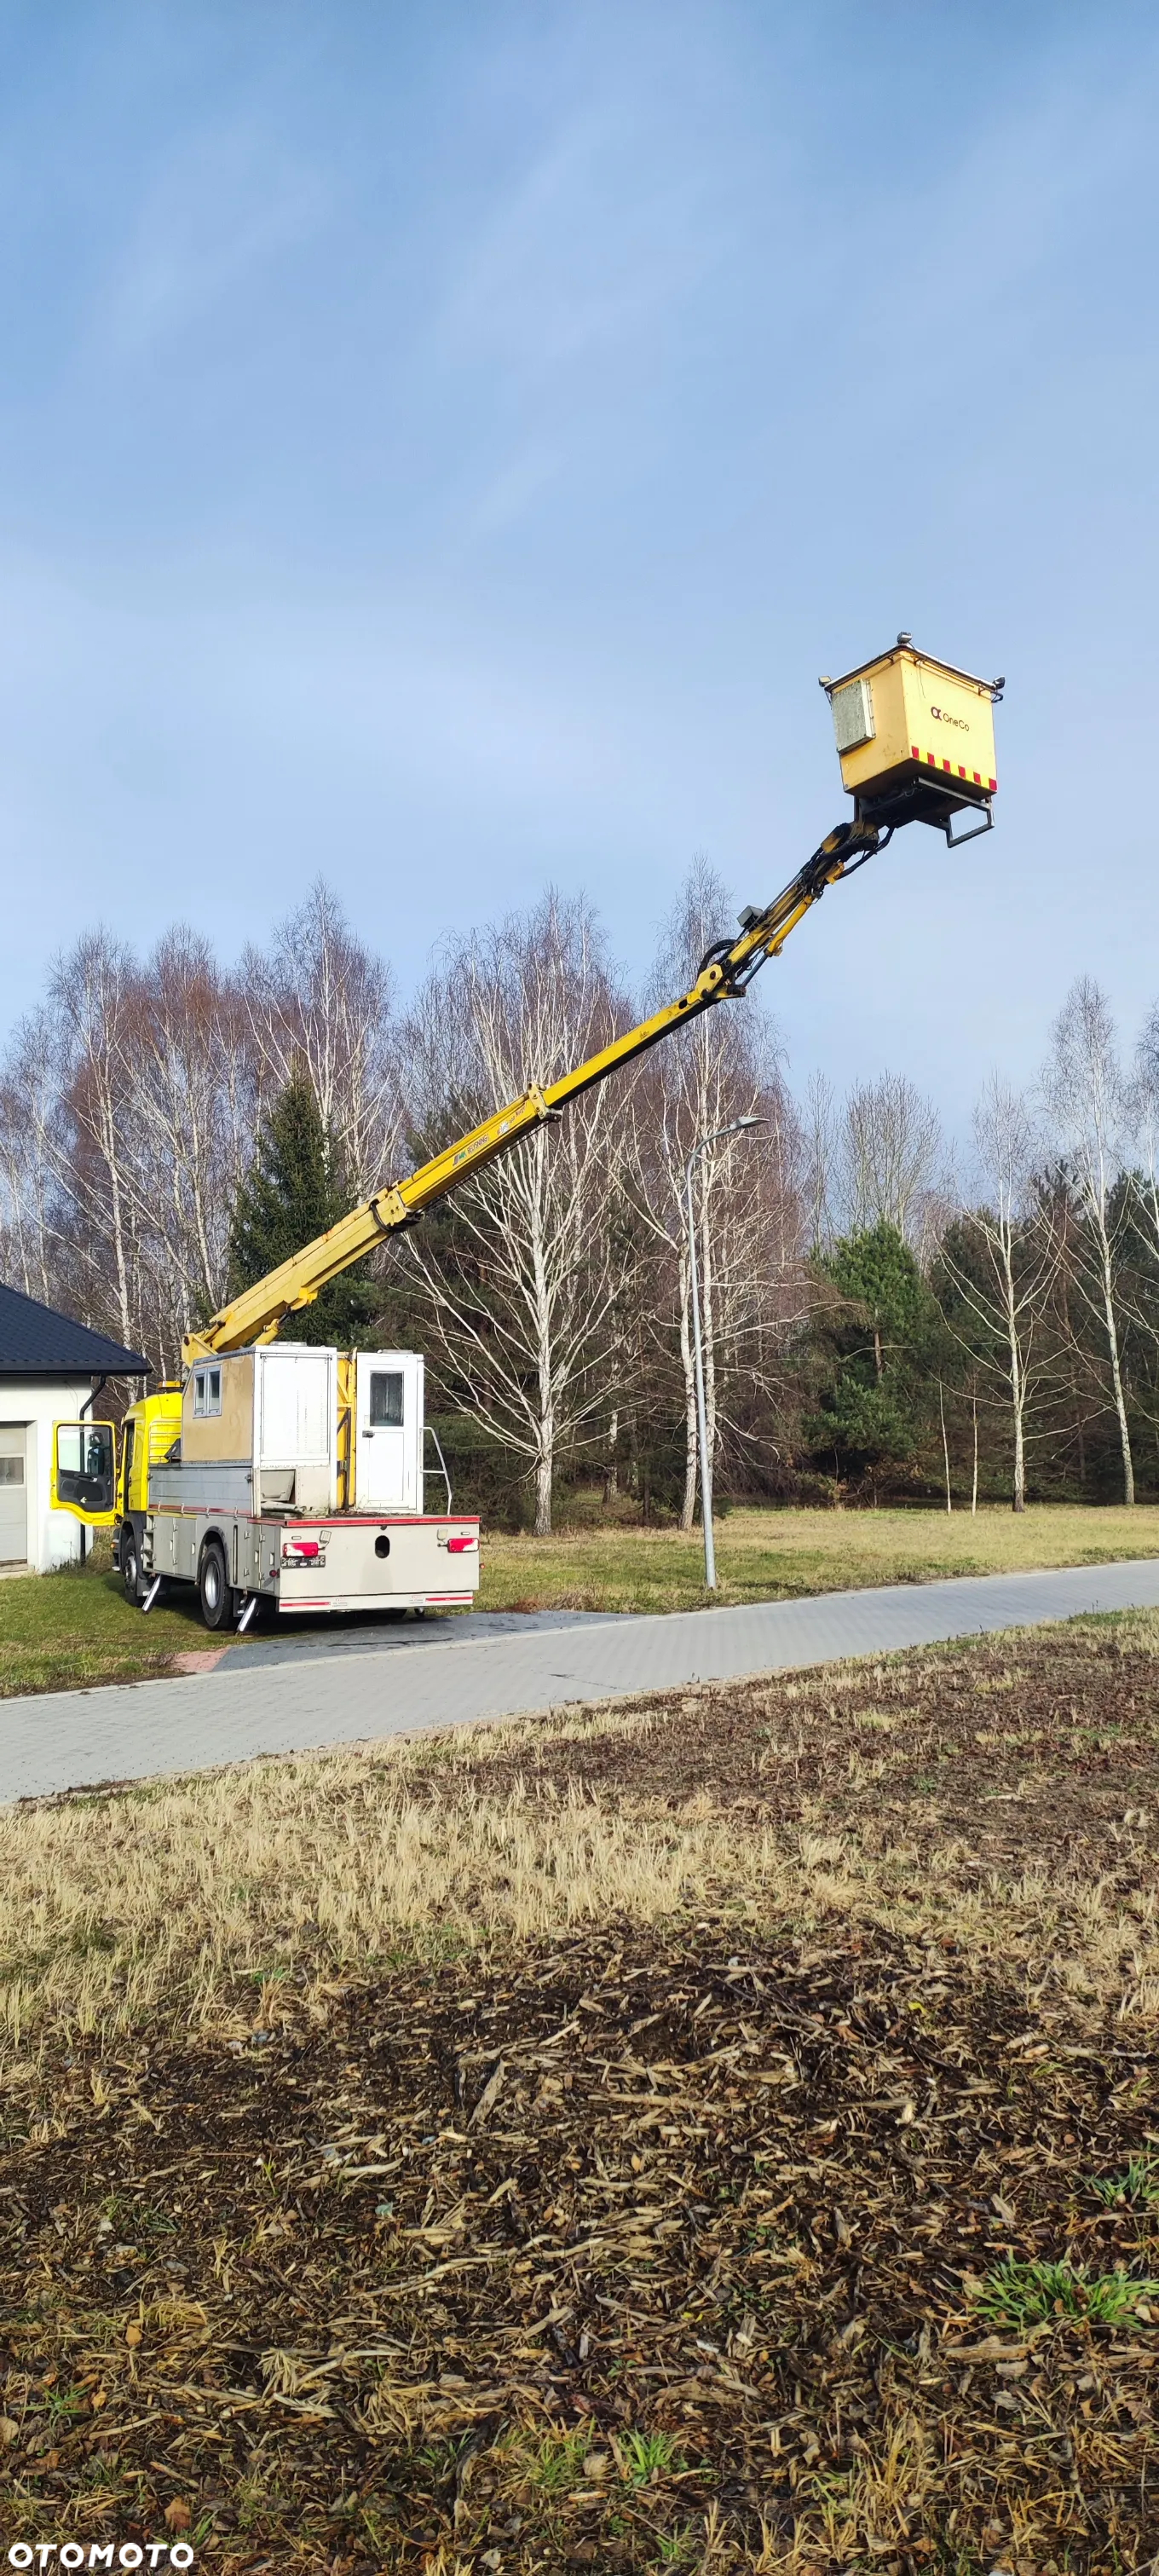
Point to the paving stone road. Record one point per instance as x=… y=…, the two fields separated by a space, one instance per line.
x=344 y=1689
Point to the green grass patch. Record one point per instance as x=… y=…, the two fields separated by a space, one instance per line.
x=644 y=2456
x=1137 y=2187
x=1030 y=2294
x=74 y=1629
x=557 y=2463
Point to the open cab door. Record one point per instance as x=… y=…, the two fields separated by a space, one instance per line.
x=84 y=1471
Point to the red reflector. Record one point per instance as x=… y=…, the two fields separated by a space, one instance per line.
x=460 y=1546
x=305 y=1546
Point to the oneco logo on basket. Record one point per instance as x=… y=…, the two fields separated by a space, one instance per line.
x=944 y=717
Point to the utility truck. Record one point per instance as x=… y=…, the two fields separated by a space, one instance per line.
x=297 y=1475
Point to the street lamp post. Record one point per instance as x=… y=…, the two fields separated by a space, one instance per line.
x=734 y=1128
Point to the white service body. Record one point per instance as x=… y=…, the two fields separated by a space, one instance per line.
x=259 y=1471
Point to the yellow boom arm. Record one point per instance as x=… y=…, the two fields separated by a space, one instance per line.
x=257 y=1313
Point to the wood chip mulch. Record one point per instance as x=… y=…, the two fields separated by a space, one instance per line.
x=629 y=2250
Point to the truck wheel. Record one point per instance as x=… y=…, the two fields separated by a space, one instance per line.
x=130 y=1564
x=213 y=1586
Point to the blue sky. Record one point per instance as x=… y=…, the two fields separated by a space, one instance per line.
x=442 y=446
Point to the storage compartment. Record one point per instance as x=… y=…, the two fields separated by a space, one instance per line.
x=915 y=737
x=296 y=1425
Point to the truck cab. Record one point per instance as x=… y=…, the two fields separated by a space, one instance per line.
x=101 y=1473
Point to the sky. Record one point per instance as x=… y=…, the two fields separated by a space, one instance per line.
x=442 y=447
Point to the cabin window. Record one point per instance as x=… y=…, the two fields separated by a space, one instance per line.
x=207 y=1390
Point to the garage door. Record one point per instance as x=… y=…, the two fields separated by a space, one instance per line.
x=13 y=1496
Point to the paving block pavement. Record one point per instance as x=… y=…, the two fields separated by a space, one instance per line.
x=299 y=1700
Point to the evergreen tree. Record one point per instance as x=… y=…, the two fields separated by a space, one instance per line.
x=293 y=1192
x=877 y=1350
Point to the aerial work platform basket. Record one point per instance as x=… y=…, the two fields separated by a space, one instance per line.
x=916 y=739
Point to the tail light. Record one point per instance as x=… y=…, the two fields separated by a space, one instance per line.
x=461 y=1546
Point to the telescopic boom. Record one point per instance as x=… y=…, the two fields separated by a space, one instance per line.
x=727 y=971
x=916 y=742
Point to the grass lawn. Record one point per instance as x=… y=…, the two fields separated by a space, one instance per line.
x=71 y=1630
x=779 y=1555
x=718 y=2132
x=76 y=1629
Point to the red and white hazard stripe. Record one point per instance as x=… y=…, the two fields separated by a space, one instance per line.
x=933 y=761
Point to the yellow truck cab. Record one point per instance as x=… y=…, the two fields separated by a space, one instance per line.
x=104 y=1480
x=150 y=1432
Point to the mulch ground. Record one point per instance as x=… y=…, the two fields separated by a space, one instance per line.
x=638 y=2249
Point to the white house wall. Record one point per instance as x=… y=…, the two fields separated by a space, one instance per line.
x=53 y=1537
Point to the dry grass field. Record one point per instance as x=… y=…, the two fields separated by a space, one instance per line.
x=782 y=1555
x=718 y=2133
x=70 y=1631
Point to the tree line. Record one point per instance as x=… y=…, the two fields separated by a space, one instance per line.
x=880 y=1317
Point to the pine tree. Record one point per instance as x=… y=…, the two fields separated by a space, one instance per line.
x=877 y=1351
x=293 y=1192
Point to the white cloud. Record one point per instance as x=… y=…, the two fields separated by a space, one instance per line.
x=227 y=205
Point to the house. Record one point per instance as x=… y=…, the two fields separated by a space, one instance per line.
x=51 y=1370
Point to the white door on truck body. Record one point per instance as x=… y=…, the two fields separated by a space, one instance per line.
x=297 y=1423
x=389 y=1432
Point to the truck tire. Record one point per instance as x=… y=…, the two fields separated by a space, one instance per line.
x=129 y=1558
x=214 y=1590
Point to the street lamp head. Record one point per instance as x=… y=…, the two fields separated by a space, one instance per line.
x=752 y=1121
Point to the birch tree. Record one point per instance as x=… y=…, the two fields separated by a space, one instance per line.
x=1146 y=1123
x=31 y=1156
x=92 y=996
x=1002 y=1260
x=521 y=1276
x=888 y=1160
x=819 y=1141
x=1089 y=1103
x=319 y=999
x=746 y=1209
x=194 y=1085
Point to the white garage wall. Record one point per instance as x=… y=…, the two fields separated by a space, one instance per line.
x=37 y=1402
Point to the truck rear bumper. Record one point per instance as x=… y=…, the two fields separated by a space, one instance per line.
x=376 y=1601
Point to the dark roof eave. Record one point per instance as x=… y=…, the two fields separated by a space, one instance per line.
x=14 y=1368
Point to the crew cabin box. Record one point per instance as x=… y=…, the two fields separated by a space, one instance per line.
x=259 y=1430
x=298 y=1474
